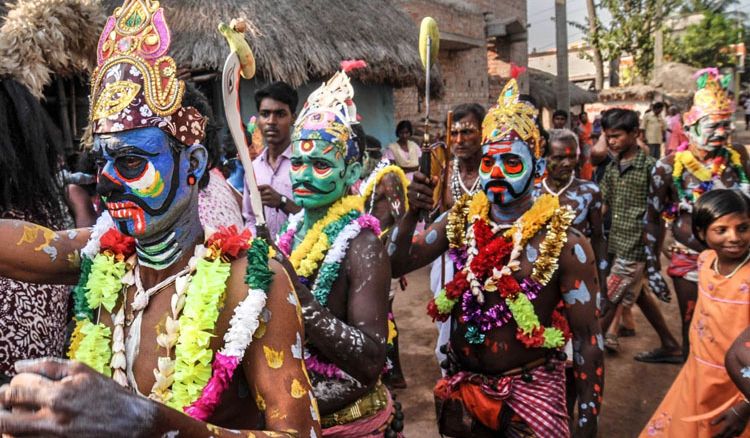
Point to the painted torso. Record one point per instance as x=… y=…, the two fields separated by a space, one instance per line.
x=580 y=196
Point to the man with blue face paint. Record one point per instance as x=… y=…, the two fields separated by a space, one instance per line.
x=197 y=337
x=525 y=278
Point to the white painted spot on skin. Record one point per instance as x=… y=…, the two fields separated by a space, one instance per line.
x=580 y=294
x=580 y=253
x=297 y=347
x=171 y=434
x=72 y=234
x=394 y=234
x=600 y=341
x=603 y=265
x=51 y=251
x=292 y=299
x=391 y=248
x=531 y=254
x=431 y=237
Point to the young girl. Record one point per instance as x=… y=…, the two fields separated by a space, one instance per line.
x=703 y=401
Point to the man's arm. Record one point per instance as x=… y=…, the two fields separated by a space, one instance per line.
x=598 y=241
x=36 y=254
x=392 y=190
x=274 y=366
x=653 y=227
x=357 y=345
x=581 y=295
x=737 y=362
x=409 y=252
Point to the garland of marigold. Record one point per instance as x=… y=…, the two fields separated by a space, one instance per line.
x=546 y=210
x=311 y=251
x=686 y=160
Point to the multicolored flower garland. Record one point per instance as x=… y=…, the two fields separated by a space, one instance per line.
x=195 y=379
x=486 y=264
x=685 y=160
x=382 y=169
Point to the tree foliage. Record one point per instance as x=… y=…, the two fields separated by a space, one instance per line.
x=707 y=42
x=631 y=31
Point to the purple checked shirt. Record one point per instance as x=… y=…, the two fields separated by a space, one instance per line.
x=278 y=179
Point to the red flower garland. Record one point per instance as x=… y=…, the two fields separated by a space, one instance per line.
x=230 y=241
x=117 y=243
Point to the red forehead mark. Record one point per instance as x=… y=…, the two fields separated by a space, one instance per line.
x=567 y=150
x=498 y=150
x=328 y=149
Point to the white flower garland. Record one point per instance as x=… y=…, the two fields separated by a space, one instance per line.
x=337 y=252
x=244 y=323
x=101 y=226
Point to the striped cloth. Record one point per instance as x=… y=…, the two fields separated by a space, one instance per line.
x=540 y=403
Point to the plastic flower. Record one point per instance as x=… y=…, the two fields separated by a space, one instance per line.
x=117 y=243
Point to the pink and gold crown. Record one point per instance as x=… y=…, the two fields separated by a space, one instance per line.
x=511 y=119
x=135 y=83
x=711 y=97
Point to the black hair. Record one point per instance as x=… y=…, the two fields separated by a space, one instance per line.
x=280 y=91
x=372 y=142
x=404 y=124
x=30 y=150
x=714 y=204
x=360 y=140
x=560 y=113
x=620 y=118
x=194 y=98
x=658 y=106
x=465 y=109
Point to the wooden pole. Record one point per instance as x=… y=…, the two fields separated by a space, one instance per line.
x=561 y=38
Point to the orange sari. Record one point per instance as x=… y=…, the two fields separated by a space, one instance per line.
x=703 y=389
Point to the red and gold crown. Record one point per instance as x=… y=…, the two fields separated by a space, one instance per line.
x=511 y=119
x=135 y=83
x=711 y=97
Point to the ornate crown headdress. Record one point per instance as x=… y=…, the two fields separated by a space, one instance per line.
x=329 y=114
x=135 y=83
x=711 y=97
x=511 y=119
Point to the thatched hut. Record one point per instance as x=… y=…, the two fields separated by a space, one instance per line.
x=543 y=86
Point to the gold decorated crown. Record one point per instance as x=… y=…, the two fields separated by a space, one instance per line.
x=511 y=119
x=135 y=83
x=711 y=97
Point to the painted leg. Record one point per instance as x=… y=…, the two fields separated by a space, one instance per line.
x=687 y=296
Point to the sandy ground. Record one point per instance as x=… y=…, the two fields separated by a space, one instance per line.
x=632 y=389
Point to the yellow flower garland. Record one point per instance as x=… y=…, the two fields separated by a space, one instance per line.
x=685 y=159
x=550 y=248
x=380 y=175
x=534 y=219
x=308 y=255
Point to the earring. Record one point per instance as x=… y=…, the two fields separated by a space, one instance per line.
x=191 y=180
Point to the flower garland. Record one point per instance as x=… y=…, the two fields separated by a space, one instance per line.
x=486 y=264
x=306 y=257
x=194 y=380
x=685 y=160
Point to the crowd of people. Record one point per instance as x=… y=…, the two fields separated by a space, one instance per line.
x=197 y=313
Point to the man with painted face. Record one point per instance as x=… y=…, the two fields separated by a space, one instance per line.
x=339 y=268
x=524 y=278
x=197 y=337
x=678 y=180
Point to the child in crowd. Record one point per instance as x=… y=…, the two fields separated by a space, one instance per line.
x=703 y=401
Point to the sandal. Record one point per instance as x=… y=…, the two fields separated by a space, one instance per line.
x=659 y=355
x=611 y=343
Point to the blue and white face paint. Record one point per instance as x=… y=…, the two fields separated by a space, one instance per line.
x=507 y=171
x=147 y=182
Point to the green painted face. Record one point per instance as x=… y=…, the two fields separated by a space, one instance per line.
x=319 y=174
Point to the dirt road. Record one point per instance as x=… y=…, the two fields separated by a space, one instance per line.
x=632 y=389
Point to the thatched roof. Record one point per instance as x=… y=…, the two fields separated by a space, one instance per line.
x=42 y=37
x=299 y=41
x=631 y=92
x=675 y=79
x=542 y=86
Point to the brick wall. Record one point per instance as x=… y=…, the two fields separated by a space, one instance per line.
x=467 y=75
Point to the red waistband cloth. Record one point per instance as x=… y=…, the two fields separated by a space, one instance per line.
x=682 y=264
x=365 y=427
x=540 y=402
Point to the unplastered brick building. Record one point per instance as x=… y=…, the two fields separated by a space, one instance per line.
x=478 y=41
